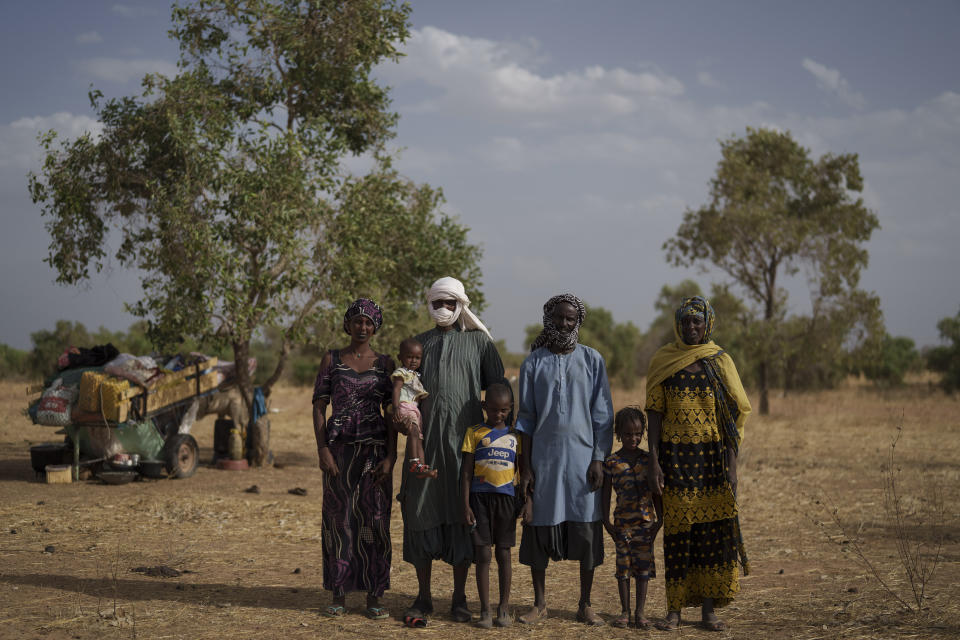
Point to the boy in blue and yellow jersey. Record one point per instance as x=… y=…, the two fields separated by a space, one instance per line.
x=489 y=503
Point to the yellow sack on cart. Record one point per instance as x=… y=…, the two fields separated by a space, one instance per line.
x=112 y=392
x=90 y=383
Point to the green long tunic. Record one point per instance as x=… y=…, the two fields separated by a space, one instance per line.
x=457 y=366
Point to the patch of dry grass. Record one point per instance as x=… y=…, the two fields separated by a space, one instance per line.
x=814 y=452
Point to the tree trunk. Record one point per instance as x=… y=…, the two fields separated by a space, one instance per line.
x=259 y=432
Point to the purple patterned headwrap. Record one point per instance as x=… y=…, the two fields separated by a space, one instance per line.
x=364 y=307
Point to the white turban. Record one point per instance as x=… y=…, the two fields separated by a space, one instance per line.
x=450 y=288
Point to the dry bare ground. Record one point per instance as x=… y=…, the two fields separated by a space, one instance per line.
x=254 y=559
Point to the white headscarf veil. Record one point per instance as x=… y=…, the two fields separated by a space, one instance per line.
x=450 y=288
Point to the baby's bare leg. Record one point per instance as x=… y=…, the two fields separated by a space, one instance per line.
x=414 y=447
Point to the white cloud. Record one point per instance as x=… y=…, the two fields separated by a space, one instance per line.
x=124 y=69
x=706 y=79
x=89 y=37
x=133 y=11
x=832 y=82
x=484 y=76
x=18 y=139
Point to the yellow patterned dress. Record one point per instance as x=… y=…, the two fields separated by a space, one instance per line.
x=702 y=541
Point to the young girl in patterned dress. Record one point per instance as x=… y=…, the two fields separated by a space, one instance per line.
x=637 y=517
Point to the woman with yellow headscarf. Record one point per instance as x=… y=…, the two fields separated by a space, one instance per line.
x=696 y=408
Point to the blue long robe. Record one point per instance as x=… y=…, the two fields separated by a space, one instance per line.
x=566 y=408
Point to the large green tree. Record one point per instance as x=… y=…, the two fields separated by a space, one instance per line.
x=226 y=185
x=773 y=211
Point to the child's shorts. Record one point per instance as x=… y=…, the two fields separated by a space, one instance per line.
x=635 y=552
x=409 y=414
x=496 y=519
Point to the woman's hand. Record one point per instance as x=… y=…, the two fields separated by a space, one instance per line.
x=327 y=463
x=731 y=460
x=595 y=475
x=527 y=480
x=732 y=478
x=655 y=477
x=383 y=472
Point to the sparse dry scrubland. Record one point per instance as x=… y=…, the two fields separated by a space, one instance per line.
x=252 y=561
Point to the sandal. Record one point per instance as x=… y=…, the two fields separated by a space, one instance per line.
x=377 y=613
x=667 y=624
x=460 y=612
x=622 y=622
x=642 y=624
x=586 y=615
x=414 y=622
x=420 y=608
x=713 y=625
x=334 y=611
x=485 y=621
x=535 y=615
x=503 y=619
x=422 y=470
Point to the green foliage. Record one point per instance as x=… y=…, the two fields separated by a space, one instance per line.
x=13 y=362
x=946 y=358
x=898 y=355
x=616 y=342
x=774 y=210
x=226 y=183
x=841 y=336
x=48 y=345
x=510 y=360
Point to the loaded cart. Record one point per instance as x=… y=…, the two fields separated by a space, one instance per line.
x=125 y=426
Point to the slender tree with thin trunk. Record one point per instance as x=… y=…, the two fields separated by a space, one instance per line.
x=774 y=210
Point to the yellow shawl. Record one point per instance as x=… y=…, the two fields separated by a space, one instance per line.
x=677 y=355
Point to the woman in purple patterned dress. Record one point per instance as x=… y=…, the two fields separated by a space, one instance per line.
x=357 y=452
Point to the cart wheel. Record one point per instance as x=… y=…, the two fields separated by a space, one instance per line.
x=180 y=455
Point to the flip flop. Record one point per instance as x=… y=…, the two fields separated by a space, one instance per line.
x=621 y=622
x=414 y=622
x=377 y=613
x=334 y=611
x=643 y=625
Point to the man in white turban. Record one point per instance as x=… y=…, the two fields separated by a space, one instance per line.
x=451 y=289
x=459 y=362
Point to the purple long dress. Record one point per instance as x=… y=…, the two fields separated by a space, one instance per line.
x=356 y=511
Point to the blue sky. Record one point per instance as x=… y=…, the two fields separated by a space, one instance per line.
x=569 y=136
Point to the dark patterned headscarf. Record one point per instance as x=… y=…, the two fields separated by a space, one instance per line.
x=364 y=307
x=695 y=306
x=553 y=337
